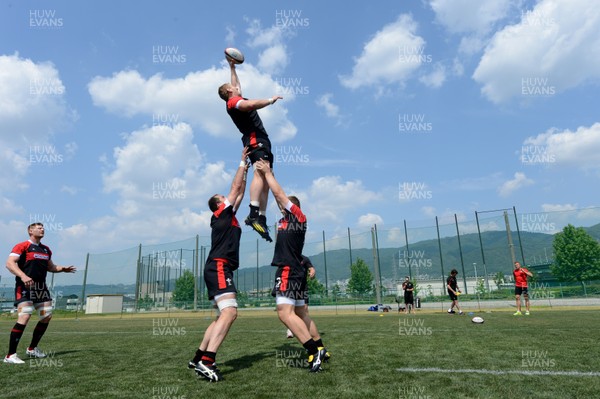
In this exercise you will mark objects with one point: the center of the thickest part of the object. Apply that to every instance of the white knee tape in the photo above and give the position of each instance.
(26, 310)
(44, 312)
(227, 303)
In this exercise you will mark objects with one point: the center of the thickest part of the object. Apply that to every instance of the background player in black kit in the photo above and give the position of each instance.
(222, 260)
(409, 300)
(30, 261)
(453, 291)
(243, 113)
(290, 277)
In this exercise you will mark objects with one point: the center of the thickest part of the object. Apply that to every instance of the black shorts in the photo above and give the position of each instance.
(521, 290)
(452, 295)
(262, 152)
(409, 299)
(290, 282)
(37, 293)
(218, 278)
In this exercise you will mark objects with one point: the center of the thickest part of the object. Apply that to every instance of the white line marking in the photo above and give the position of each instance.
(501, 372)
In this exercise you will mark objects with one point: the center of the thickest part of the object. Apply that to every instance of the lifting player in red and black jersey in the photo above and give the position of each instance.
(243, 113)
(222, 260)
(290, 277)
(30, 261)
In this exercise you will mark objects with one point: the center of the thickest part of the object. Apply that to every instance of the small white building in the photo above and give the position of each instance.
(104, 303)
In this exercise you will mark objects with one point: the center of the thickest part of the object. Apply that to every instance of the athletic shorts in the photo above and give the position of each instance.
(521, 290)
(218, 278)
(409, 299)
(290, 282)
(37, 293)
(261, 153)
(452, 295)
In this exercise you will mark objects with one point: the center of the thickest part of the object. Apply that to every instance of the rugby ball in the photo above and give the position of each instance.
(234, 54)
(477, 320)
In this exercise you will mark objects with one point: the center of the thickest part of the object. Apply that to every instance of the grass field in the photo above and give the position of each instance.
(427, 355)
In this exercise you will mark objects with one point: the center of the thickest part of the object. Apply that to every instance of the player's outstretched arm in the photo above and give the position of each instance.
(250, 105)
(52, 268)
(238, 186)
(263, 167)
(235, 81)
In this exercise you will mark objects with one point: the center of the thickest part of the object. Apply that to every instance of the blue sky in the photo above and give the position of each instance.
(112, 132)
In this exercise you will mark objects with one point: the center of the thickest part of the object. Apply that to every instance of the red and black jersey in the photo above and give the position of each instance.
(225, 236)
(249, 124)
(291, 231)
(33, 260)
(520, 277)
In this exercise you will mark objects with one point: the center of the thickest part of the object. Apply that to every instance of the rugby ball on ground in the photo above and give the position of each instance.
(477, 320)
(234, 54)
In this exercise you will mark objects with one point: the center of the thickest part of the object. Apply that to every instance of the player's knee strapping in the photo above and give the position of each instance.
(25, 310)
(44, 312)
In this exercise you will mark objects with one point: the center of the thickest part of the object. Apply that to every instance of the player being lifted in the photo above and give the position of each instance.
(243, 113)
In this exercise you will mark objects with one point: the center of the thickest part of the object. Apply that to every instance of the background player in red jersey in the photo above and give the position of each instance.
(243, 113)
(290, 277)
(30, 261)
(520, 274)
(222, 260)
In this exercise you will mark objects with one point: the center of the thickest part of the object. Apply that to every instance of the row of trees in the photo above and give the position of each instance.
(577, 259)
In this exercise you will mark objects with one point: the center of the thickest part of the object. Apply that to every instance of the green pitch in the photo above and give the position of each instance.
(550, 354)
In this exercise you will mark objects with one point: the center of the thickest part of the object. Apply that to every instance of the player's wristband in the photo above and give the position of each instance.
(242, 164)
(271, 100)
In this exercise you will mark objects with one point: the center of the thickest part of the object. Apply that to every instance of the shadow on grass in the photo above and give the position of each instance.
(245, 362)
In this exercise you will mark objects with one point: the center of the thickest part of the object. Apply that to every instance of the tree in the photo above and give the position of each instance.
(336, 290)
(361, 279)
(499, 279)
(315, 287)
(184, 287)
(576, 255)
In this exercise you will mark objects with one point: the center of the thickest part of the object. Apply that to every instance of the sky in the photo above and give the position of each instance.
(112, 133)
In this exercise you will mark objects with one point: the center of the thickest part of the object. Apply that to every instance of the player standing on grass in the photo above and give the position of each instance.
(222, 260)
(290, 278)
(520, 274)
(409, 300)
(453, 291)
(243, 113)
(30, 261)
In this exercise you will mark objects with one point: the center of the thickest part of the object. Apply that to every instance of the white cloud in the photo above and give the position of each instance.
(331, 198)
(391, 56)
(192, 99)
(436, 78)
(331, 110)
(369, 220)
(32, 111)
(558, 207)
(579, 148)
(466, 16)
(274, 58)
(510, 186)
(540, 53)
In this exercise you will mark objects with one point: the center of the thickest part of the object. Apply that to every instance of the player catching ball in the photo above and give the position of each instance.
(243, 113)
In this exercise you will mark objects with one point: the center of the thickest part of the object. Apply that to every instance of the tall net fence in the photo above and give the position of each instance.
(482, 248)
